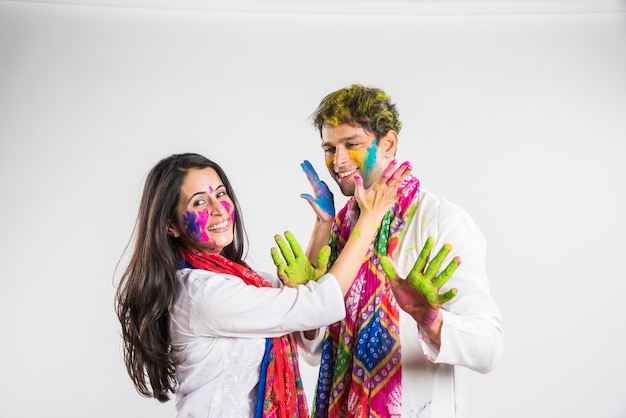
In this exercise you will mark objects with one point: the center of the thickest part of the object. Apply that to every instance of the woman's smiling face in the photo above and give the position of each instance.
(205, 213)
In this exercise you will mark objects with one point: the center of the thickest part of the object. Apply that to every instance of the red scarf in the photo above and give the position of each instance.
(281, 394)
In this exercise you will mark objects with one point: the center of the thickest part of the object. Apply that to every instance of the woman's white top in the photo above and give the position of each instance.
(220, 325)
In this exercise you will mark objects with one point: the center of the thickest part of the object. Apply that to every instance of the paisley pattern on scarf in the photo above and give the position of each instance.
(281, 394)
(360, 372)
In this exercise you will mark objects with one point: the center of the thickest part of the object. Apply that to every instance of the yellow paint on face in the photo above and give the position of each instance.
(364, 158)
(330, 162)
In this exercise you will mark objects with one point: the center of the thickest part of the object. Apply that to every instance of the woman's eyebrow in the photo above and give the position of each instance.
(196, 194)
(221, 186)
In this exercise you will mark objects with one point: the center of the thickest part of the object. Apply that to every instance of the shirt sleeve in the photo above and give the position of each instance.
(224, 306)
(471, 334)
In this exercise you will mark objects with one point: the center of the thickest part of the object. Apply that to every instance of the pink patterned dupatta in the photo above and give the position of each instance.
(361, 369)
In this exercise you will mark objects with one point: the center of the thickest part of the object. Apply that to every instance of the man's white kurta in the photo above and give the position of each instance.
(471, 336)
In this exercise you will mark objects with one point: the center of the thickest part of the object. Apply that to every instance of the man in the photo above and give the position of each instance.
(410, 327)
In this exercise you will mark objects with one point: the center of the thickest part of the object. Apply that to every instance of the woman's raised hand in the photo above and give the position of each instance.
(380, 196)
(293, 266)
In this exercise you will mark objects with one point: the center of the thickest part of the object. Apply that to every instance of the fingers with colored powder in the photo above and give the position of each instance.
(383, 192)
(418, 294)
(293, 266)
(393, 176)
(322, 201)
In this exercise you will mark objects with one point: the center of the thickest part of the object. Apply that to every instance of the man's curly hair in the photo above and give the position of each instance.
(357, 105)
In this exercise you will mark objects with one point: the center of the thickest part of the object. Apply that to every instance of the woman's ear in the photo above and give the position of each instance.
(171, 230)
(389, 144)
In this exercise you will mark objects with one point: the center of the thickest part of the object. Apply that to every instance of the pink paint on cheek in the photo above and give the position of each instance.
(230, 209)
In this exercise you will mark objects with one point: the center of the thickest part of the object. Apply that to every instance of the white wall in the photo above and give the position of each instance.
(519, 118)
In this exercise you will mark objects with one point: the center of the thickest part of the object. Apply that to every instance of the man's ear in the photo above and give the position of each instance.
(389, 144)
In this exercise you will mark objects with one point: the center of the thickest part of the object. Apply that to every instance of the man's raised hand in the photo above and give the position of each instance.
(418, 294)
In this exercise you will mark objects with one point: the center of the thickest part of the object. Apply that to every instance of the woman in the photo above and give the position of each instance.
(199, 323)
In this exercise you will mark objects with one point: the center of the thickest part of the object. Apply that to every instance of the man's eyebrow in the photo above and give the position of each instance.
(343, 139)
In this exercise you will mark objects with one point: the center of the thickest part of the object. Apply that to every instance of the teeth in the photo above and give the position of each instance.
(218, 226)
(345, 173)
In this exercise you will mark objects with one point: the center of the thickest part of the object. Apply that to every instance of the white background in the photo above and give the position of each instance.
(514, 110)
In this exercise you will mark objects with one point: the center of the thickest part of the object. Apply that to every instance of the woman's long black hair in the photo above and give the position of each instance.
(147, 287)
